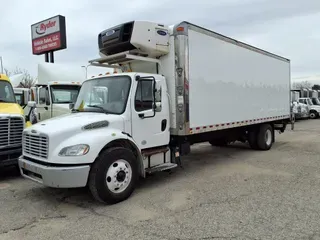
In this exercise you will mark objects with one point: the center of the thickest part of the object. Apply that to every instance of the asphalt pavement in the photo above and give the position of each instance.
(221, 193)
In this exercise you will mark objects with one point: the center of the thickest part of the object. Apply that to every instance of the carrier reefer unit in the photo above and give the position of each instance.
(172, 87)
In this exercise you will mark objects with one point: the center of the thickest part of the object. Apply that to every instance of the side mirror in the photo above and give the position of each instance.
(47, 98)
(31, 104)
(25, 97)
(47, 101)
(71, 106)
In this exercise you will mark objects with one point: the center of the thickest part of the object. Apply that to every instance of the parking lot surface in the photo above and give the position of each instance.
(222, 193)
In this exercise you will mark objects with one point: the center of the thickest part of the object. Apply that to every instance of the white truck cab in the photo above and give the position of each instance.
(58, 86)
(314, 110)
(158, 102)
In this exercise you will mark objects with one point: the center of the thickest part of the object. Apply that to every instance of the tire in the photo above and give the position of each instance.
(252, 139)
(313, 115)
(265, 137)
(218, 142)
(113, 175)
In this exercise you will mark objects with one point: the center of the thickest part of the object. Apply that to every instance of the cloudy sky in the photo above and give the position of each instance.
(288, 27)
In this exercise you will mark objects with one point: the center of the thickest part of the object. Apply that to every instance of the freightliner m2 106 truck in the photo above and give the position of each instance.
(166, 98)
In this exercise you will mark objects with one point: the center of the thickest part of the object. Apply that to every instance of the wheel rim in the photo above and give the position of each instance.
(268, 137)
(312, 115)
(119, 176)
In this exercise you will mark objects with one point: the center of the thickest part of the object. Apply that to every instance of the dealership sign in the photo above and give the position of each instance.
(49, 35)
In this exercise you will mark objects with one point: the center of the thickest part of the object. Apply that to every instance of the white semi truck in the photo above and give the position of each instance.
(167, 98)
(58, 85)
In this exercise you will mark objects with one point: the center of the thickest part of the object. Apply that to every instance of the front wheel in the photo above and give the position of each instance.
(114, 175)
(313, 115)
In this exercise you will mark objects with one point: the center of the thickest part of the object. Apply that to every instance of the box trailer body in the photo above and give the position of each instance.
(228, 83)
(172, 87)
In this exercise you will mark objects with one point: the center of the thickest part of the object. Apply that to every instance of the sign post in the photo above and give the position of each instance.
(49, 36)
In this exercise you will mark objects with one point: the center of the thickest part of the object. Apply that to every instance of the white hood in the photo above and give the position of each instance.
(72, 123)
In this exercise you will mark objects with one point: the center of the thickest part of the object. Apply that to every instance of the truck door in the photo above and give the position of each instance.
(43, 106)
(150, 126)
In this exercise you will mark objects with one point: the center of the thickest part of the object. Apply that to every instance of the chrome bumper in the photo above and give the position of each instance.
(56, 177)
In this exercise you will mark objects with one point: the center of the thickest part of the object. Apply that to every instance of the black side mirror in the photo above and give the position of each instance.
(71, 106)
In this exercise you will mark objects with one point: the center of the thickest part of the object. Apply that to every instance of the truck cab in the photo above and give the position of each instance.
(314, 110)
(12, 123)
(57, 87)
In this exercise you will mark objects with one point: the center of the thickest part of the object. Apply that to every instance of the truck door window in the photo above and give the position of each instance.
(19, 98)
(144, 96)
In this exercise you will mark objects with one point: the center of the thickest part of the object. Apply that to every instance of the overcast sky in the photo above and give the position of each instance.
(289, 28)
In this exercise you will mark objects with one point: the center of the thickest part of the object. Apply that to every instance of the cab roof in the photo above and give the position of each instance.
(4, 77)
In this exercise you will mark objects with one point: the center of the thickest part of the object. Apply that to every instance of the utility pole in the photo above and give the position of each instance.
(86, 70)
(1, 63)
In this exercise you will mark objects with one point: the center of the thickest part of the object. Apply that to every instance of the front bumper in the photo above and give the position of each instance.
(55, 176)
(9, 156)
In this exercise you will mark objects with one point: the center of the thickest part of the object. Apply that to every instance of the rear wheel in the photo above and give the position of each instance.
(261, 138)
(265, 137)
(114, 175)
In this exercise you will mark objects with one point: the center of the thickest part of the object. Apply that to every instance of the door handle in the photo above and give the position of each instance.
(141, 115)
(163, 124)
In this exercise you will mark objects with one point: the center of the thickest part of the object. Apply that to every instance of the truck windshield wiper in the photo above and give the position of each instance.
(62, 102)
(99, 107)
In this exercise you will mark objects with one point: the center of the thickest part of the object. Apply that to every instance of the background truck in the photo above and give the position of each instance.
(167, 98)
(12, 122)
(58, 85)
(300, 110)
(314, 110)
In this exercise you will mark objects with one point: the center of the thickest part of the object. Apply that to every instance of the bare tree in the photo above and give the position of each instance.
(27, 82)
(302, 84)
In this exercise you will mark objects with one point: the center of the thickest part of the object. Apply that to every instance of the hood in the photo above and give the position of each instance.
(315, 106)
(73, 122)
(64, 106)
(10, 108)
(61, 109)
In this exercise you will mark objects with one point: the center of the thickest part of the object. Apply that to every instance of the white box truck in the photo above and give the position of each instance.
(57, 86)
(179, 85)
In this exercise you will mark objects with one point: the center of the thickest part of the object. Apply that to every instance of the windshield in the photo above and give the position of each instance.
(108, 94)
(64, 93)
(6, 92)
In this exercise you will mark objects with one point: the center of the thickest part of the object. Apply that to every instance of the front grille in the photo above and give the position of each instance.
(35, 145)
(11, 129)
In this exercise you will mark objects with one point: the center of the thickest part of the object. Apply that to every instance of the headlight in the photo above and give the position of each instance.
(75, 150)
